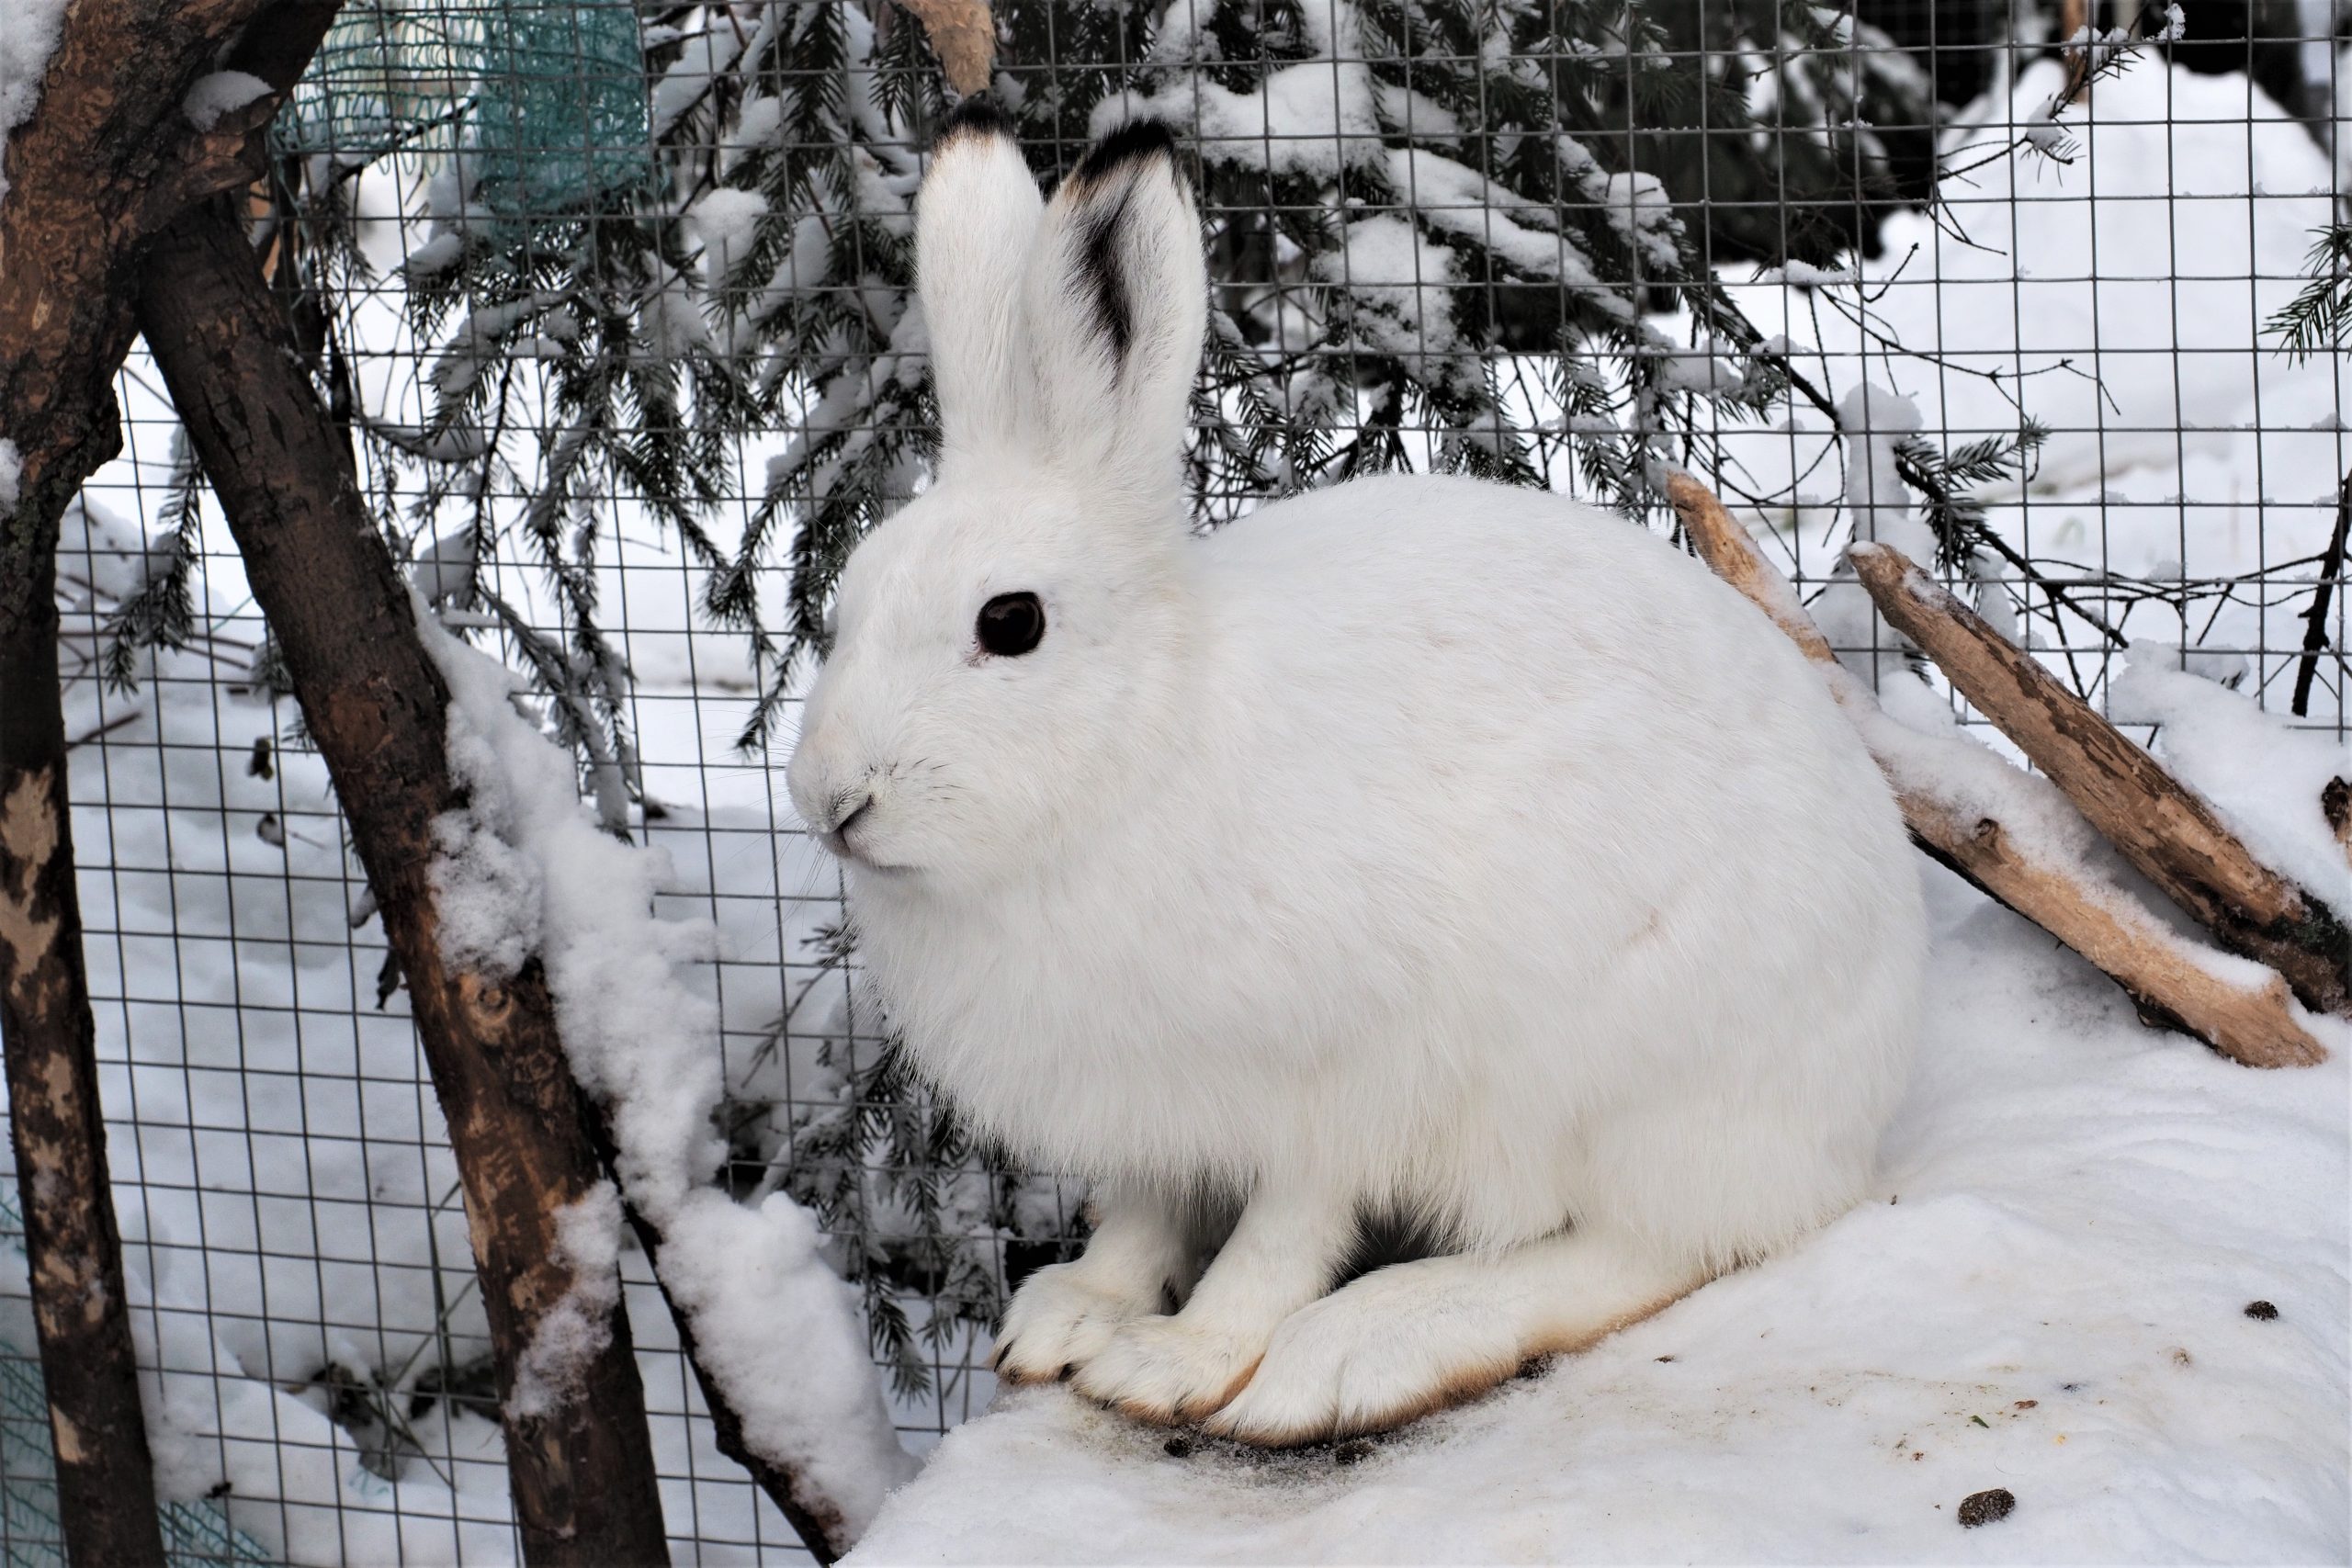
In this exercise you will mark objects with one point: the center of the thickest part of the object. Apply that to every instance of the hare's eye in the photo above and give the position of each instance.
(1010, 624)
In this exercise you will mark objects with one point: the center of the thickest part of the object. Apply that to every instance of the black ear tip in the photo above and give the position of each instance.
(978, 115)
(1133, 142)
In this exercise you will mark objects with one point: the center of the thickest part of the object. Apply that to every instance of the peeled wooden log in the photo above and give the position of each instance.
(963, 34)
(2162, 826)
(2014, 836)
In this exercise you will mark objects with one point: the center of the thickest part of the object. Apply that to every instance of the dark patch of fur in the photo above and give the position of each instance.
(978, 115)
(1387, 1234)
(1131, 143)
(1100, 279)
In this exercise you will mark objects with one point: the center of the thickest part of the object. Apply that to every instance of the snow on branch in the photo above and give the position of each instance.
(2269, 780)
(774, 1329)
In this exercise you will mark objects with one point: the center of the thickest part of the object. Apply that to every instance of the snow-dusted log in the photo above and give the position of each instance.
(579, 1456)
(2015, 838)
(99, 156)
(2161, 826)
(1725, 545)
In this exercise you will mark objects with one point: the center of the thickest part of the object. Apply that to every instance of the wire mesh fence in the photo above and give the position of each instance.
(614, 300)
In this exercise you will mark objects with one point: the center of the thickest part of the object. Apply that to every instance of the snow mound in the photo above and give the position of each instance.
(2266, 779)
(2049, 1294)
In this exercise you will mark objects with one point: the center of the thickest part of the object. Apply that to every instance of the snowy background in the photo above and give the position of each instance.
(2050, 1296)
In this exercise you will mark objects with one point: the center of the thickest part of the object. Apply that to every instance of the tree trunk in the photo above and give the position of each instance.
(2161, 826)
(2173, 981)
(106, 157)
(377, 709)
(106, 1487)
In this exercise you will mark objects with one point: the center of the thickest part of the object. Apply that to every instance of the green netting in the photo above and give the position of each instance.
(29, 1534)
(385, 77)
(560, 117)
(544, 99)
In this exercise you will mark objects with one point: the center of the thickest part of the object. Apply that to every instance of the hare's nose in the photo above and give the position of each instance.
(834, 836)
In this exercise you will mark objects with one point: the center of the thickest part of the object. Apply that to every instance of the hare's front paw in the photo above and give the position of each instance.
(1059, 1320)
(1169, 1371)
(1372, 1357)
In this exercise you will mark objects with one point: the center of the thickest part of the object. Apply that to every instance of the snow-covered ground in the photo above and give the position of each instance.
(2049, 1294)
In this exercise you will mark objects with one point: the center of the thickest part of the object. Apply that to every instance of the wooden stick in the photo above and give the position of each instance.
(105, 1484)
(2014, 855)
(2161, 826)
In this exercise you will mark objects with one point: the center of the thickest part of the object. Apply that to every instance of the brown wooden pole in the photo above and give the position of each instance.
(378, 710)
(105, 1486)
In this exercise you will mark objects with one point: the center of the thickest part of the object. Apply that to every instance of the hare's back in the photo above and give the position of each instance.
(1488, 601)
(1540, 696)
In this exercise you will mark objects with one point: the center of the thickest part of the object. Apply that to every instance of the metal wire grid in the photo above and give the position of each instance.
(250, 1073)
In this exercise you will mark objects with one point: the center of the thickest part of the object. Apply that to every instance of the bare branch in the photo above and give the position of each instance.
(2331, 571)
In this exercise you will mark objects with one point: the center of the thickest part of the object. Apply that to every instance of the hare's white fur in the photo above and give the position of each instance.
(1415, 852)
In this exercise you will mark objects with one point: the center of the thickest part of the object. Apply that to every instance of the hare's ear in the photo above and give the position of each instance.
(1116, 304)
(975, 218)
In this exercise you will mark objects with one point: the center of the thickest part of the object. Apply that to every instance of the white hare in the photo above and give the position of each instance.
(1416, 867)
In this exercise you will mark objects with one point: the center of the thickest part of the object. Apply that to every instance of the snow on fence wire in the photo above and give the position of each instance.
(613, 303)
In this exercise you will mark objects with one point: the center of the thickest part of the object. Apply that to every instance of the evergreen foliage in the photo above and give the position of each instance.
(2318, 318)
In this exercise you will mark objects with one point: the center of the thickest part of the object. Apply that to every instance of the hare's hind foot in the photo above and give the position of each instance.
(1414, 1337)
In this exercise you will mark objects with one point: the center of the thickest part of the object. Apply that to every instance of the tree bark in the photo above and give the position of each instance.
(323, 577)
(106, 157)
(2172, 980)
(962, 35)
(377, 709)
(2162, 827)
(105, 1485)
